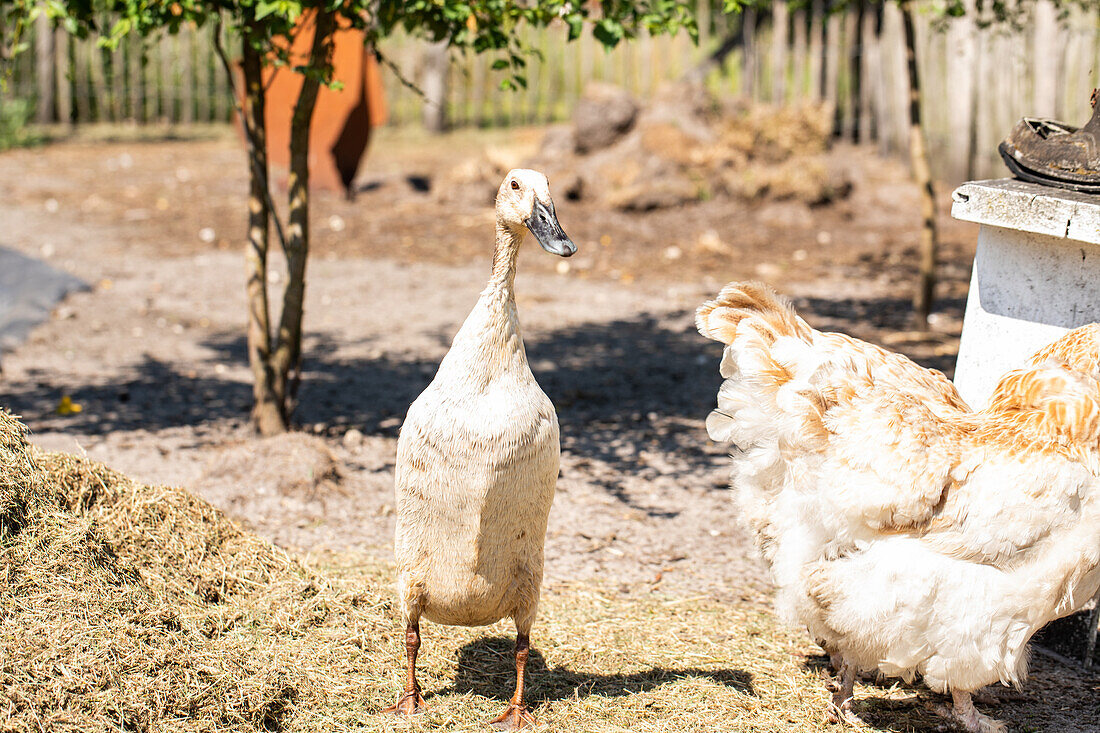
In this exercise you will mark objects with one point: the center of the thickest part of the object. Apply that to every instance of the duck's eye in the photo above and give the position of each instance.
(515, 185)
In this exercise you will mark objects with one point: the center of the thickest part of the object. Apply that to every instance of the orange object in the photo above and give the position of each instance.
(342, 120)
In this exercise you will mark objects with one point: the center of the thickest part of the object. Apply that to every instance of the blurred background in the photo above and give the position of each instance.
(979, 76)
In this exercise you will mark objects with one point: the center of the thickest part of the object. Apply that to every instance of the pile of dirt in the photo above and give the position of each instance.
(134, 607)
(267, 480)
(686, 145)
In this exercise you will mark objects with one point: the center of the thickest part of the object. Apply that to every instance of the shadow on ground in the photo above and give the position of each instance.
(486, 667)
(610, 381)
(1028, 709)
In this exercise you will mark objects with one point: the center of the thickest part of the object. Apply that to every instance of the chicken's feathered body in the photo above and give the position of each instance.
(908, 533)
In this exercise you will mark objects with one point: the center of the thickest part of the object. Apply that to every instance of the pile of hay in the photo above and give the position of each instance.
(130, 607)
(136, 608)
(686, 145)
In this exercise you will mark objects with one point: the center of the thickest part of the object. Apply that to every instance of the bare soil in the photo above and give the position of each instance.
(154, 352)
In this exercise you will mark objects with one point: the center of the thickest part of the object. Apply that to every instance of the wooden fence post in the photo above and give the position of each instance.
(798, 54)
(780, 25)
(100, 104)
(853, 25)
(868, 44)
(1044, 72)
(832, 67)
(817, 44)
(187, 76)
(751, 63)
(44, 69)
(963, 66)
(435, 67)
(203, 56)
(63, 74)
(133, 80)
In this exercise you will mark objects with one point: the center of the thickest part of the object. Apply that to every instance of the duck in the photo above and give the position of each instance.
(477, 464)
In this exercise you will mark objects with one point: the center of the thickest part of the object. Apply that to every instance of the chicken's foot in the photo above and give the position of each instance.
(985, 696)
(839, 709)
(964, 713)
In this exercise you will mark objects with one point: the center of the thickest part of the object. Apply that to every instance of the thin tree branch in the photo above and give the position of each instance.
(399, 74)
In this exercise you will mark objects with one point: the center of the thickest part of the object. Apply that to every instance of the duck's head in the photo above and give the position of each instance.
(524, 201)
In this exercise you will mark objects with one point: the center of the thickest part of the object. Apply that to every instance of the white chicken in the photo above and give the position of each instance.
(908, 533)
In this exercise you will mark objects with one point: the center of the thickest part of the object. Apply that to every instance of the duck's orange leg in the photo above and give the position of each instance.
(516, 715)
(410, 701)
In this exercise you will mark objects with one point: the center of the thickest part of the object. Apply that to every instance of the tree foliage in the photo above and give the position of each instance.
(476, 26)
(265, 31)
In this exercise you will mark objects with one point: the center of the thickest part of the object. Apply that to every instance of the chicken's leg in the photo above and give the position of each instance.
(836, 661)
(964, 711)
(410, 701)
(516, 716)
(840, 708)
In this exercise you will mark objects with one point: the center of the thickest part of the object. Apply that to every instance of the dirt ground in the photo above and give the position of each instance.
(154, 354)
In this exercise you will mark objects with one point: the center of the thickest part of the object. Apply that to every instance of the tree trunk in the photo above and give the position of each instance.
(922, 173)
(286, 361)
(267, 412)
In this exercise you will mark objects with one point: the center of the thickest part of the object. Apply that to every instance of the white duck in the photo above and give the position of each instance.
(477, 463)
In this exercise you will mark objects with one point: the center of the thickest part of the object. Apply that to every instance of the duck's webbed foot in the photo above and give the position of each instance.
(514, 717)
(839, 709)
(410, 703)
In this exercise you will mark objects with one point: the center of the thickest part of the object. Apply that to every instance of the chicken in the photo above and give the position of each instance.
(906, 532)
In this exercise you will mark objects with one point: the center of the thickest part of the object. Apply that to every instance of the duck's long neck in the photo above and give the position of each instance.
(503, 277)
(489, 341)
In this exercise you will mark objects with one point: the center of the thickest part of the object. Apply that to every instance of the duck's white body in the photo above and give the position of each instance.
(477, 462)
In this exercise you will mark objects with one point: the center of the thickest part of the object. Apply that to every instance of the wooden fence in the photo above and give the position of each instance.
(978, 80)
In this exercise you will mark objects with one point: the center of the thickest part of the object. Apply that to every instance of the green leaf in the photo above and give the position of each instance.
(608, 32)
(576, 26)
(264, 9)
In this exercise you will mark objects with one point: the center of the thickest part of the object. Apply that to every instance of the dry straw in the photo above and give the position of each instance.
(137, 608)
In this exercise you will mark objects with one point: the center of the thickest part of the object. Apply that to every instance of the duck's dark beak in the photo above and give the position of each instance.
(543, 223)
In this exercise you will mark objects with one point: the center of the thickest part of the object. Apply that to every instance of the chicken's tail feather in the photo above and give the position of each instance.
(751, 305)
(768, 363)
